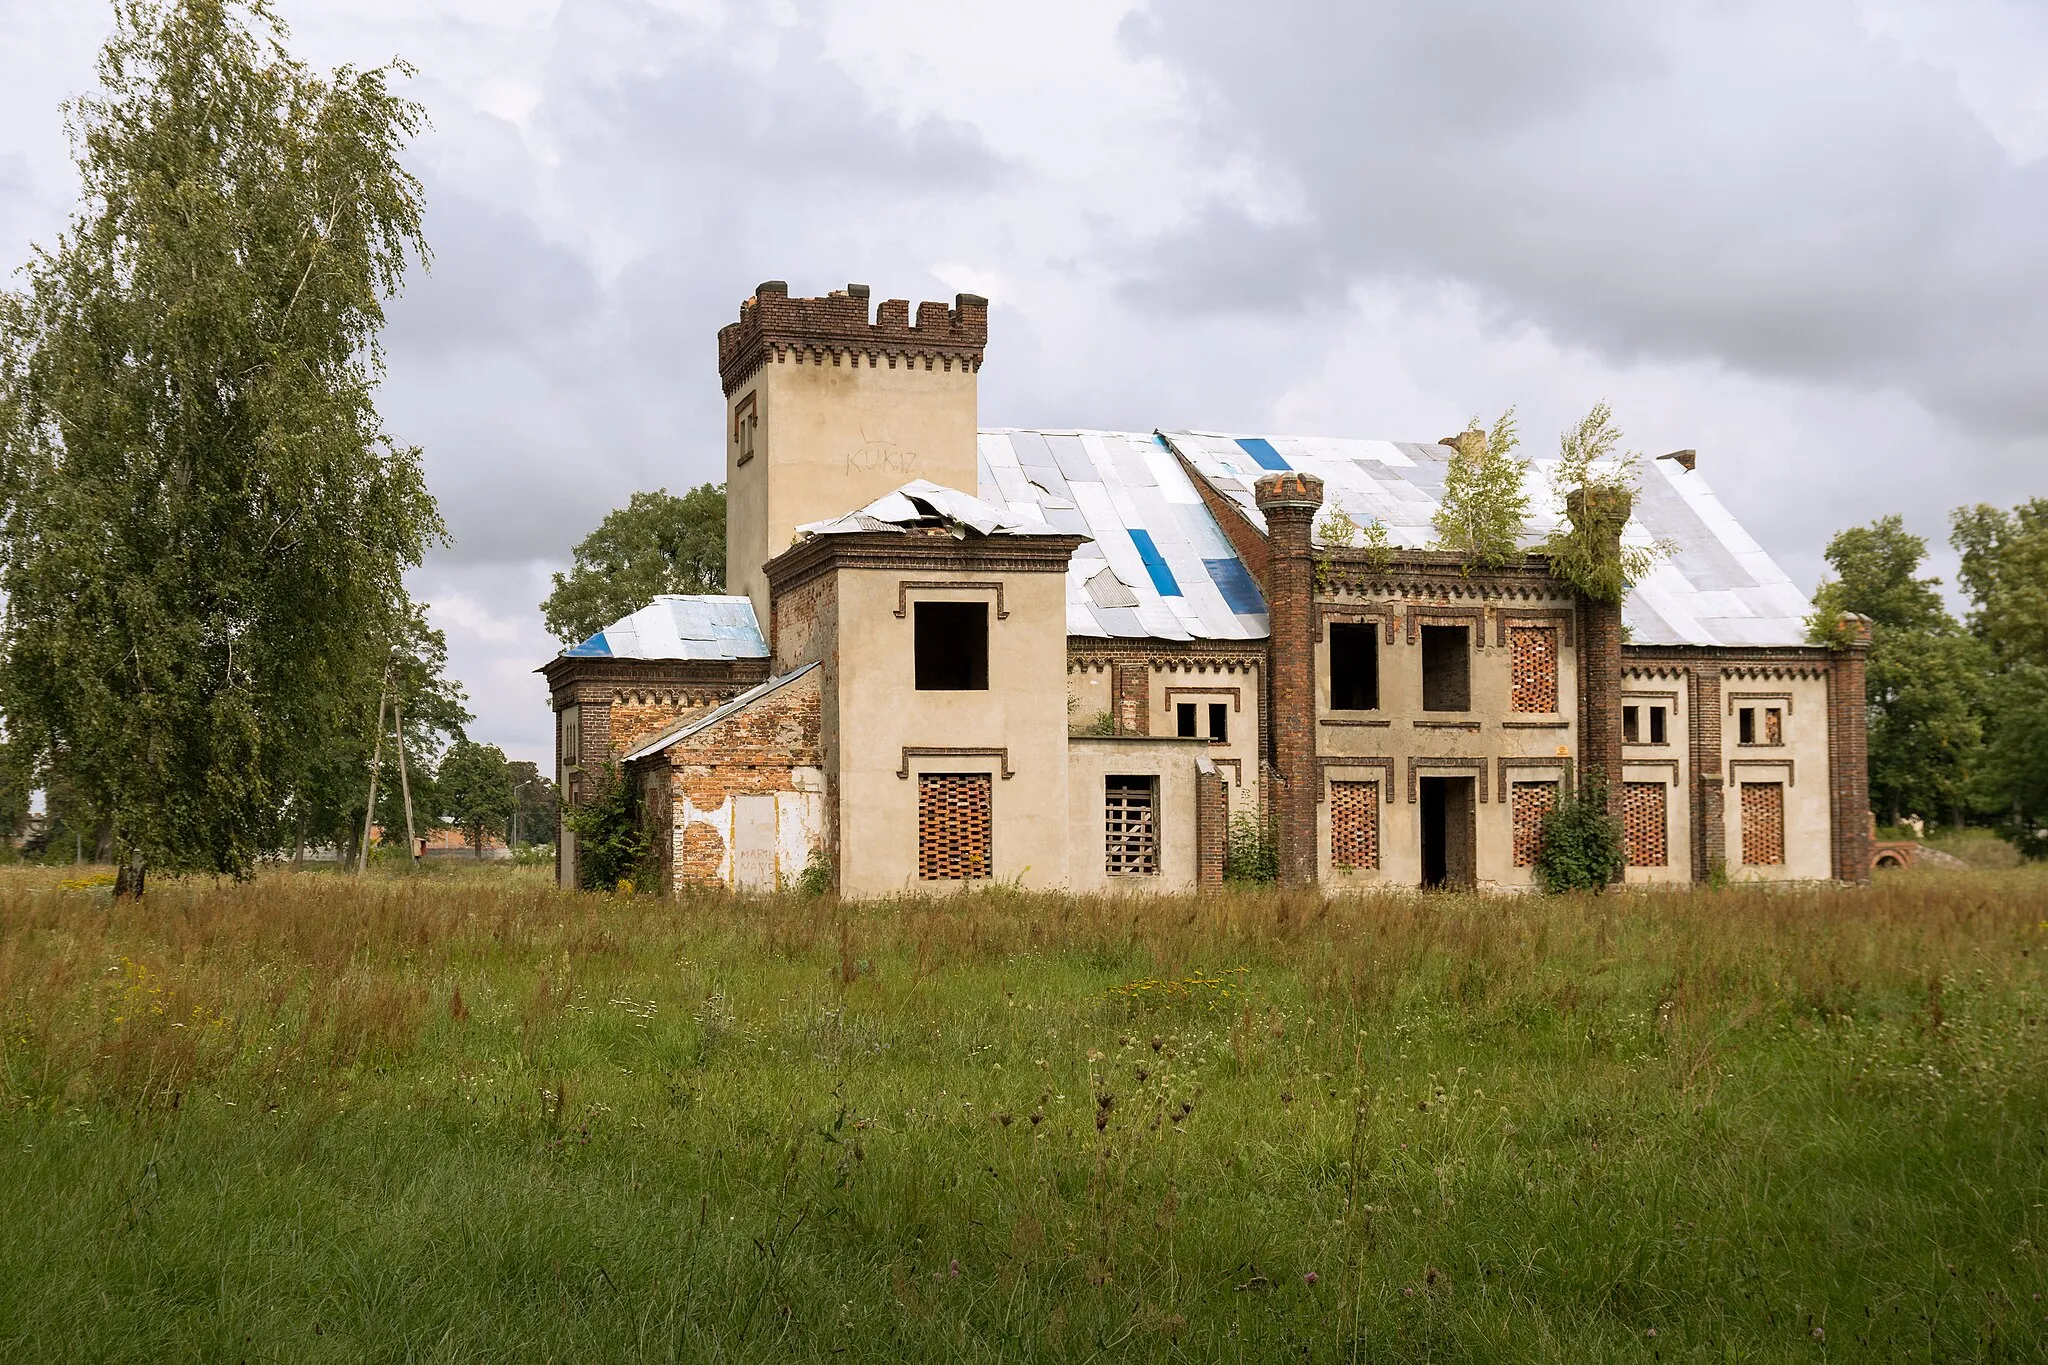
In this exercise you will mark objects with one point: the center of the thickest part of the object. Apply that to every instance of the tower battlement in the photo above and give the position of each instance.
(773, 327)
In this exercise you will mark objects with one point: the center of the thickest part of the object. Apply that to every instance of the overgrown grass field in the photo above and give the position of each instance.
(470, 1118)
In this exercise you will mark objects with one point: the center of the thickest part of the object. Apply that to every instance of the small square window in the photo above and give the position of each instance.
(1219, 722)
(1631, 725)
(1184, 720)
(1657, 731)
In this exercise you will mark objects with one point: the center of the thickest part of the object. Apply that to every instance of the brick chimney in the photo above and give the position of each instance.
(1849, 749)
(1289, 502)
(1602, 516)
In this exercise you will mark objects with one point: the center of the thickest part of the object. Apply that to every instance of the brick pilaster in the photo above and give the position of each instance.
(1707, 797)
(1599, 647)
(1131, 693)
(1212, 825)
(1289, 502)
(1849, 751)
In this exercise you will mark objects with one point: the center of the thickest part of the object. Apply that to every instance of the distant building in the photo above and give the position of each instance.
(1065, 659)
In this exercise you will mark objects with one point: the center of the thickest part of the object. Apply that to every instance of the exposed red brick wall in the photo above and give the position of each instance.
(1763, 824)
(1707, 804)
(1643, 824)
(755, 751)
(1212, 827)
(1600, 693)
(1849, 752)
(1531, 802)
(1290, 501)
(1355, 826)
(1131, 694)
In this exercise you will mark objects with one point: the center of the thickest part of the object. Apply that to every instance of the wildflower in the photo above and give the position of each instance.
(1651, 1332)
(953, 1272)
(1309, 1279)
(1820, 1334)
(1407, 1291)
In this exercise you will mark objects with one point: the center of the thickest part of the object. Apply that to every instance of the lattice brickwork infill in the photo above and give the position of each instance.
(1533, 650)
(1643, 824)
(952, 826)
(1763, 823)
(1355, 826)
(1532, 801)
(1130, 827)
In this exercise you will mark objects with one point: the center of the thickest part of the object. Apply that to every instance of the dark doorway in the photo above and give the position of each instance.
(1449, 820)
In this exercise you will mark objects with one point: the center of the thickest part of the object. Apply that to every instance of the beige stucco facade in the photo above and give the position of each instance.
(810, 437)
(1172, 763)
(1799, 762)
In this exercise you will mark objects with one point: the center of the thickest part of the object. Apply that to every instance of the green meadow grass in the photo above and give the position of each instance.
(464, 1117)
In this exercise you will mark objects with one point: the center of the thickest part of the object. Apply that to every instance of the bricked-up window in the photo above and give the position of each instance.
(1533, 650)
(1219, 722)
(1643, 824)
(1447, 668)
(1532, 801)
(1763, 823)
(953, 827)
(1774, 726)
(1184, 720)
(1354, 826)
(1354, 666)
(952, 646)
(1130, 826)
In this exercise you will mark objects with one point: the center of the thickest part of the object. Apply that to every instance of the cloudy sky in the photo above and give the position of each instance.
(1808, 239)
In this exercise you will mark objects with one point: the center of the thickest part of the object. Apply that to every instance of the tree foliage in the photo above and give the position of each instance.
(1484, 506)
(610, 845)
(206, 526)
(475, 784)
(657, 543)
(1581, 843)
(1924, 682)
(1597, 481)
(2005, 573)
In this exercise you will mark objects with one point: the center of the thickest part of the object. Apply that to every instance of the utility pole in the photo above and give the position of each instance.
(412, 841)
(376, 761)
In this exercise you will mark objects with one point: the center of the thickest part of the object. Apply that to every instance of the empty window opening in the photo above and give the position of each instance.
(1532, 802)
(1745, 725)
(1763, 823)
(1657, 731)
(1774, 726)
(1643, 824)
(1448, 833)
(1446, 668)
(1130, 826)
(1184, 718)
(1219, 722)
(1354, 826)
(1532, 652)
(952, 646)
(1354, 667)
(1631, 725)
(953, 827)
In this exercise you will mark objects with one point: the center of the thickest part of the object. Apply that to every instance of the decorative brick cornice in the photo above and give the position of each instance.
(1095, 654)
(924, 554)
(568, 674)
(773, 327)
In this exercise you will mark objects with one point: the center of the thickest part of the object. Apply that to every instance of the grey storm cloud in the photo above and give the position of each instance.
(543, 386)
(1766, 186)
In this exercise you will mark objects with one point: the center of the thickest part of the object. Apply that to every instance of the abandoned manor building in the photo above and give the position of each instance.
(1067, 659)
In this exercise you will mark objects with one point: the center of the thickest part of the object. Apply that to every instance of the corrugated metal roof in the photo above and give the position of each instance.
(1717, 587)
(675, 626)
(922, 502)
(684, 729)
(1156, 566)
